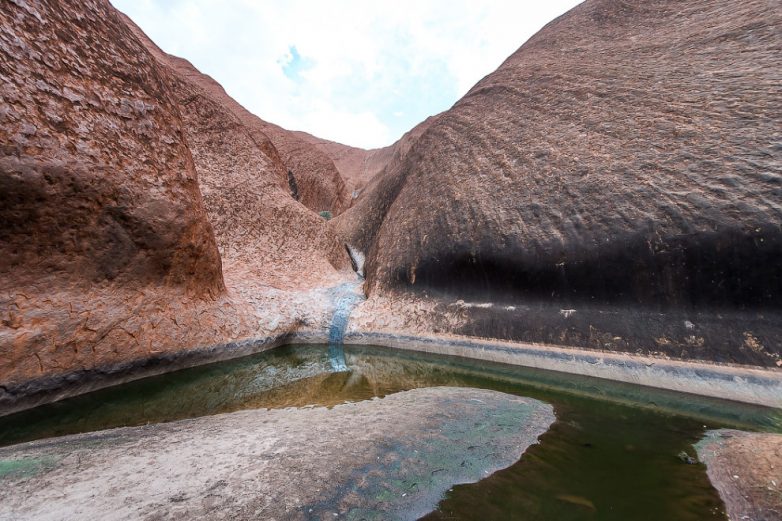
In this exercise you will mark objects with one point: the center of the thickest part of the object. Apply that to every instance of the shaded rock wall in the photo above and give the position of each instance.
(356, 165)
(360, 224)
(626, 156)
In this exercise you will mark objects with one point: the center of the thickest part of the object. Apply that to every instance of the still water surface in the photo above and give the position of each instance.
(611, 455)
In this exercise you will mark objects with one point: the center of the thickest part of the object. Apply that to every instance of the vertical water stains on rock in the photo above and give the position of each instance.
(294, 188)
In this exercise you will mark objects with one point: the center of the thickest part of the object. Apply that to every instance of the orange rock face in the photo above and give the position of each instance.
(102, 217)
(615, 184)
(111, 256)
(97, 181)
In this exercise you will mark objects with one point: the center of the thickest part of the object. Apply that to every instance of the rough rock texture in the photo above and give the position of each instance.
(615, 185)
(746, 469)
(97, 181)
(320, 185)
(364, 169)
(391, 458)
(360, 224)
(356, 165)
(101, 218)
(263, 233)
(624, 162)
(272, 153)
(108, 254)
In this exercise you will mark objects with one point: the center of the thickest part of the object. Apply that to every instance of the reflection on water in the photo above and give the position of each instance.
(339, 321)
(611, 454)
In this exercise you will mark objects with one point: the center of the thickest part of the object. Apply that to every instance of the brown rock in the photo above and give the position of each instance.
(746, 469)
(109, 261)
(383, 181)
(263, 233)
(320, 185)
(356, 165)
(621, 159)
(96, 181)
(102, 218)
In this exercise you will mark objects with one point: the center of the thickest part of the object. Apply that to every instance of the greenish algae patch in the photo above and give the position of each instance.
(459, 450)
(25, 467)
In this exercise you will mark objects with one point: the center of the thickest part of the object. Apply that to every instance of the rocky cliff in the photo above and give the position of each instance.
(246, 168)
(99, 199)
(616, 183)
(97, 181)
(143, 212)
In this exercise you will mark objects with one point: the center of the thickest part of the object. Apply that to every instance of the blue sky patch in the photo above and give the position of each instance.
(293, 64)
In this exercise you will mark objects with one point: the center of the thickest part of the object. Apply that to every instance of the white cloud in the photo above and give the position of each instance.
(366, 72)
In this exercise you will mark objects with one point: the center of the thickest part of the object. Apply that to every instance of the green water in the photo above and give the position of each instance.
(611, 455)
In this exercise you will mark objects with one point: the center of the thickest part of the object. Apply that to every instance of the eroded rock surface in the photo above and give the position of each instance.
(614, 185)
(97, 181)
(746, 469)
(100, 208)
(391, 458)
(265, 235)
(621, 163)
(111, 257)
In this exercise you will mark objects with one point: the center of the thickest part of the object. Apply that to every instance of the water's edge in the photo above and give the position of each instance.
(729, 382)
(758, 386)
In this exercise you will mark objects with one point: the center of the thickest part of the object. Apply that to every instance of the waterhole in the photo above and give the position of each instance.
(613, 453)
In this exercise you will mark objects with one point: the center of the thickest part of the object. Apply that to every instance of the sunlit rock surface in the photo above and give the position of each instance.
(746, 469)
(143, 212)
(390, 458)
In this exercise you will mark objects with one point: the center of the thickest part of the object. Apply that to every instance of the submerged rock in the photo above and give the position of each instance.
(686, 458)
(391, 458)
(746, 469)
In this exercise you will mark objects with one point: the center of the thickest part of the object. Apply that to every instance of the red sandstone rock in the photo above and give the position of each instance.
(263, 233)
(108, 258)
(356, 165)
(615, 184)
(102, 218)
(97, 181)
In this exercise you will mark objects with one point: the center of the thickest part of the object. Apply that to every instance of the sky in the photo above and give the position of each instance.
(360, 73)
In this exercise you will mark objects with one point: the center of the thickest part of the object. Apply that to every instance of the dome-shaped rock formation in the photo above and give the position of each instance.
(626, 156)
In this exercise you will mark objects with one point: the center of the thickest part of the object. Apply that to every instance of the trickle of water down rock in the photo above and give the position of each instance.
(346, 299)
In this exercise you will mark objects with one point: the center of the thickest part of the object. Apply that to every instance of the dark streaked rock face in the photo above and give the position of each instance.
(627, 155)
